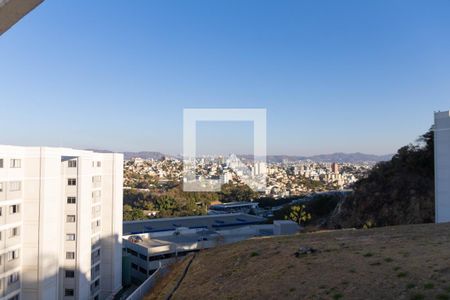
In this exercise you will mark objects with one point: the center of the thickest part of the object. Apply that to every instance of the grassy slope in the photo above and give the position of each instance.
(166, 284)
(400, 262)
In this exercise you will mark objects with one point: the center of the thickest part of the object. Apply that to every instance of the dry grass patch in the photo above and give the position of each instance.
(379, 263)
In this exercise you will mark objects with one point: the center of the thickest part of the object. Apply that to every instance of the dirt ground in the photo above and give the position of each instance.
(165, 285)
(400, 262)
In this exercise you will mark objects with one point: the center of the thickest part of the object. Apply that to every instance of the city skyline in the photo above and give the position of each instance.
(333, 77)
(269, 135)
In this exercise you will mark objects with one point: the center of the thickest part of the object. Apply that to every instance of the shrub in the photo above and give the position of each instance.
(417, 297)
(337, 296)
(428, 286)
(410, 286)
(253, 254)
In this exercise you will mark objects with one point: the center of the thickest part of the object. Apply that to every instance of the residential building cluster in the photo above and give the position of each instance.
(300, 177)
(289, 178)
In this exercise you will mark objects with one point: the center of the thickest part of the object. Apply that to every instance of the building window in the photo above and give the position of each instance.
(97, 253)
(68, 292)
(14, 277)
(142, 270)
(1, 187)
(70, 219)
(72, 163)
(15, 186)
(70, 273)
(95, 239)
(134, 266)
(71, 181)
(96, 179)
(95, 225)
(132, 252)
(12, 255)
(70, 237)
(15, 163)
(1, 163)
(97, 282)
(70, 255)
(0, 211)
(71, 200)
(14, 209)
(14, 232)
(96, 211)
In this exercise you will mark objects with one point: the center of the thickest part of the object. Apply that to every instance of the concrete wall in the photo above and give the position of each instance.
(112, 206)
(442, 166)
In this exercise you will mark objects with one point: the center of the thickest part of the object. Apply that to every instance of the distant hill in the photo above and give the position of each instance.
(350, 157)
(334, 157)
(144, 155)
(141, 154)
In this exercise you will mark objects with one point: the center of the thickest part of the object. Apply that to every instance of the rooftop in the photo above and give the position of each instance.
(213, 222)
(442, 114)
(177, 239)
(235, 204)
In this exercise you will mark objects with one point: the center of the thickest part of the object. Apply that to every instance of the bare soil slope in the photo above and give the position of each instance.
(399, 262)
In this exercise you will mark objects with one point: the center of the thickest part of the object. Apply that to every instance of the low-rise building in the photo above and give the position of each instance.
(233, 207)
(150, 244)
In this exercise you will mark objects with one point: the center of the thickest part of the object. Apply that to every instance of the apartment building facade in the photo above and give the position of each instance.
(442, 165)
(60, 223)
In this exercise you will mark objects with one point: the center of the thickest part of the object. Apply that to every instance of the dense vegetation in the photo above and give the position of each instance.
(269, 202)
(320, 207)
(236, 192)
(399, 191)
(172, 201)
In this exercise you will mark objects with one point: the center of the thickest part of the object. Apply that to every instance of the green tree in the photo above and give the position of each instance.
(132, 213)
(236, 192)
(395, 192)
(298, 214)
(165, 203)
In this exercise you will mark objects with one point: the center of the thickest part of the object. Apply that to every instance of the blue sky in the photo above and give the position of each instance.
(333, 75)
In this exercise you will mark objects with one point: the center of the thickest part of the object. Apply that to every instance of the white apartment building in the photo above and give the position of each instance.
(60, 223)
(442, 165)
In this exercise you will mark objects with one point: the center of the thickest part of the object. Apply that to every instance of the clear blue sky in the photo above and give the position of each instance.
(334, 75)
